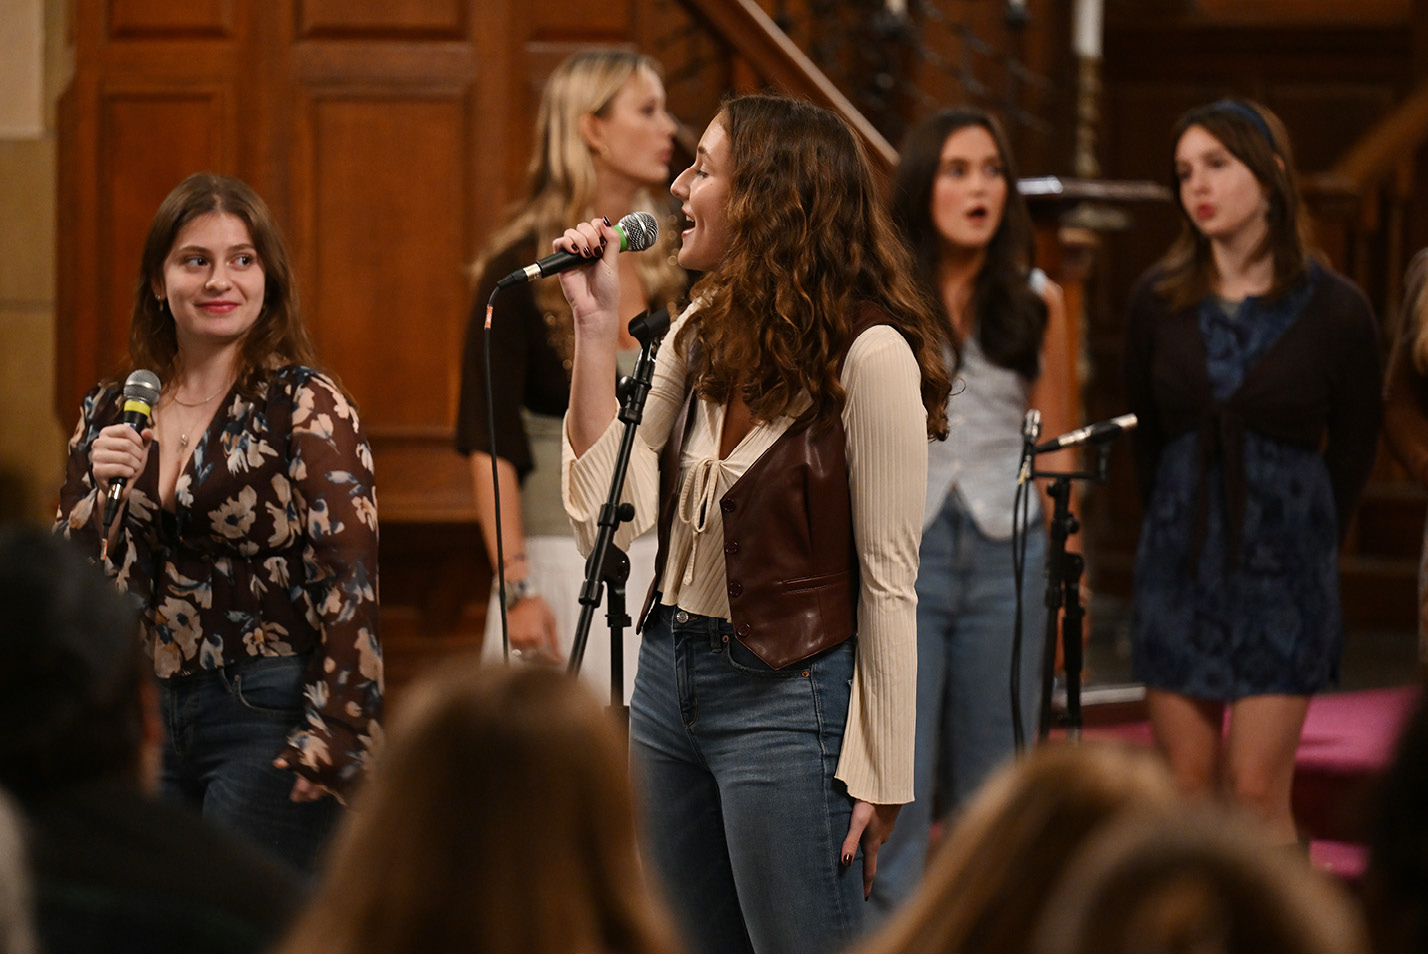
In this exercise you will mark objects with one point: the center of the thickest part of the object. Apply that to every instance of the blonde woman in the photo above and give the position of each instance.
(603, 146)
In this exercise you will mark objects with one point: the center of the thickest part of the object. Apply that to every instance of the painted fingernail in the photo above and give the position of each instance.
(606, 218)
(848, 859)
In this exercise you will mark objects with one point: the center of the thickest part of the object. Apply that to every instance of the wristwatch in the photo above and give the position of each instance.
(517, 590)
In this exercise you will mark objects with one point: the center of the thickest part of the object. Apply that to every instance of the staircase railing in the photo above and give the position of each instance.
(744, 26)
(1362, 202)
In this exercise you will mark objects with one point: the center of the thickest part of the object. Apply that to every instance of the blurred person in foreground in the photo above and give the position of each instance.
(115, 868)
(500, 820)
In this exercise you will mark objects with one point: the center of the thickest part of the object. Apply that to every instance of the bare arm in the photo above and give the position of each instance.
(530, 624)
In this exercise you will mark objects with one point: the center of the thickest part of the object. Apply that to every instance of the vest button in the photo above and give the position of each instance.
(726, 505)
(732, 546)
(735, 589)
(745, 629)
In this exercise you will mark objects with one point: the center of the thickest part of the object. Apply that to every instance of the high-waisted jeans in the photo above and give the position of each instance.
(744, 819)
(224, 727)
(966, 608)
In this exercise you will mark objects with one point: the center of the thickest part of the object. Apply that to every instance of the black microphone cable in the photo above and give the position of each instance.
(1021, 515)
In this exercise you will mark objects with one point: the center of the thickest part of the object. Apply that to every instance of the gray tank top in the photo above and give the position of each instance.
(980, 457)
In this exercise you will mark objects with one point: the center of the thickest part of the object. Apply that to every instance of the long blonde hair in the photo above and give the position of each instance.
(499, 820)
(1415, 311)
(560, 179)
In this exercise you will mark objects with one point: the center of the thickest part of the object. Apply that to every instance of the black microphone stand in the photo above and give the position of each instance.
(607, 563)
(1063, 589)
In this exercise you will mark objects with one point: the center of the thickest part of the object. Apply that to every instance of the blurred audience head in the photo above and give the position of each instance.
(500, 819)
(1396, 883)
(1200, 881)
(73, 684)
(17, 928)
(1002, 855)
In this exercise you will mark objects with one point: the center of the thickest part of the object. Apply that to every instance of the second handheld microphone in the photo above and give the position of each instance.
(638, 231)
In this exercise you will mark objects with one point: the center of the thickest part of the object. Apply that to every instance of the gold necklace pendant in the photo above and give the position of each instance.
(183, 440)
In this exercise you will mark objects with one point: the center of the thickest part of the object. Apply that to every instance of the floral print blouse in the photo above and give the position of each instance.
(271, 551)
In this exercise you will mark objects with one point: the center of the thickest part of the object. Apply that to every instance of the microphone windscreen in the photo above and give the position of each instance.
(142, 385)
(640, 229)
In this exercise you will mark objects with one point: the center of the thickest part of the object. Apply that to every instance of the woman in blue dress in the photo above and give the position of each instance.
(1255, 373)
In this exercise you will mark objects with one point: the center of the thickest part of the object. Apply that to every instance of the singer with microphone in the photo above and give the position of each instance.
(1254, 372)
(782, 456)
(1007, 345)
(603, 143)
(241, 515)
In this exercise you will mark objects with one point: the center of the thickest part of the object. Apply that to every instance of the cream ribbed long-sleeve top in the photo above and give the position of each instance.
(886, 428)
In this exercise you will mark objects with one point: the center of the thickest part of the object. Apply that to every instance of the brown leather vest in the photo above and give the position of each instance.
(791, 565)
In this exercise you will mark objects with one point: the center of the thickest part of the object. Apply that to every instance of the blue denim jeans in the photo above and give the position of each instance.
(224, 728)
(743, 818)
(966, 605)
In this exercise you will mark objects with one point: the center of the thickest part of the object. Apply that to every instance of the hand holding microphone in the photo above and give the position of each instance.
(141, 393)
(637, 232)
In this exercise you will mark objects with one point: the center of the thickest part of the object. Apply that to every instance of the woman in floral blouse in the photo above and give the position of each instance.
(247, 529)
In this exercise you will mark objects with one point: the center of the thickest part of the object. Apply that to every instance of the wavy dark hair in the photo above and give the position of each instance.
(278, 335)
(1010, 316)
(1187, 270)
(814, 239)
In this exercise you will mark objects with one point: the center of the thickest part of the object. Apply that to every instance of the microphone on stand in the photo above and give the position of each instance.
(141, 393)
(1096, 433)
(1030, 431)
(638, 231)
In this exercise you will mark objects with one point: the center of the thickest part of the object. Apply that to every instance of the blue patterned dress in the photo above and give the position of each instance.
(1236, 575)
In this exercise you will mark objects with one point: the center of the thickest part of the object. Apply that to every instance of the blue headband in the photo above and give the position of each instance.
(1245, 111)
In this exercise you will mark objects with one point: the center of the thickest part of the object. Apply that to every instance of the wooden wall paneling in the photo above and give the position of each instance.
(131, 19)
(153, 138)
(1279, 13)
(154, 97)
(380, 180)
(603, 23)
(409, 19)
(394, 157)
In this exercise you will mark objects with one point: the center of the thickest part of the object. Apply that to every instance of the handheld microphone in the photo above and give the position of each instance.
(141, 393)
(1090, 434)
(638, 231)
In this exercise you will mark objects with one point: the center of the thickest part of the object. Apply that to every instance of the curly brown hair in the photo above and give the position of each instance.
(814, 239)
